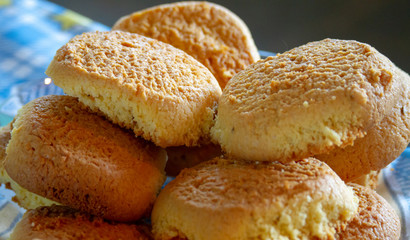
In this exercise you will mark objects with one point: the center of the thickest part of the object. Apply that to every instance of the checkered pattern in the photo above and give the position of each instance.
(397, 179)
(30, 34)
(29, 37)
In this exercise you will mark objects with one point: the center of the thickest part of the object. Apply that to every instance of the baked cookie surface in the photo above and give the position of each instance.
(158, 91)
(306, 101)
(62, 151)
(375, 219)
(60, 222)
(210, 33)
(23, 198)
(382, 144)
(228, 199)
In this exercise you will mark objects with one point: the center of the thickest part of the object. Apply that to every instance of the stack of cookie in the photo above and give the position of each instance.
(90, 155)
(210, 33)
(101, 151)
(334, 100)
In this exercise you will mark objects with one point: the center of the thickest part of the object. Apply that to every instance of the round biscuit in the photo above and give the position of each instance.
(228, 199)
(60, 222)
(158, 91)
(62, 151)
(306, 101)
(210, 33)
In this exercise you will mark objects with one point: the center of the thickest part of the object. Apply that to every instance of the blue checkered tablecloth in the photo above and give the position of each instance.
(30, 33)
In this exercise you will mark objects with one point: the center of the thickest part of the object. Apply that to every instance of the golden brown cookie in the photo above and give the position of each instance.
(158, 91)
(59, 222)
(375, 219)
(306, 101)
(60, 150)
(186, 157)
(228, 199)
(23, 198)
(382, 144)
(210, 33)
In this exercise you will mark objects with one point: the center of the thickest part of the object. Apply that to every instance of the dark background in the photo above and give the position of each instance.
(280, 25)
